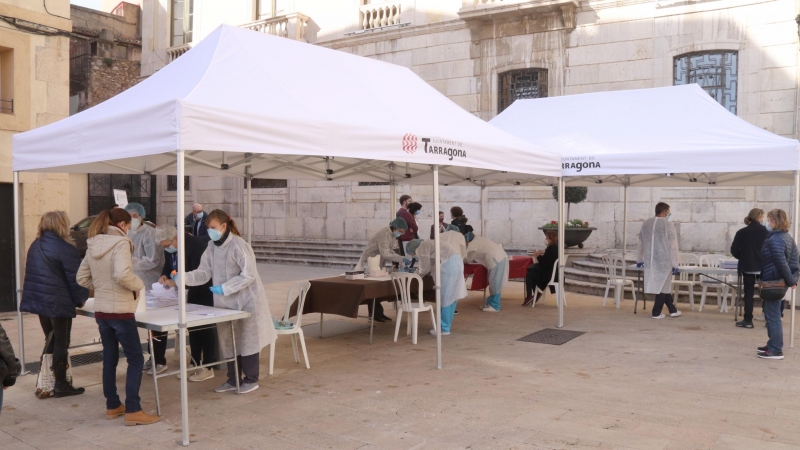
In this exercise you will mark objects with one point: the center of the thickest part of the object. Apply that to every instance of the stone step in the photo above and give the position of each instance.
(310, 253)
(329, 263)
(309, 244)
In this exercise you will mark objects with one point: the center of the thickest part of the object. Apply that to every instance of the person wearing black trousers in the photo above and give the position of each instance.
(540, 273)
(202, 340)
(746, 247)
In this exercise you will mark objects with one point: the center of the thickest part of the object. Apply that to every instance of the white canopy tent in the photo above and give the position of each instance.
(669, 136)
(245, 104)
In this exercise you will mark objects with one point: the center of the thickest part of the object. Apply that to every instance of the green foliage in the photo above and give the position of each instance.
(574, 223)
(573, 194)
(110, 62)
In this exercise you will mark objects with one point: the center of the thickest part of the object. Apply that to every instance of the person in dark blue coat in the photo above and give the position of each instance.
(746, 247)
(781, 262)
(50, 290)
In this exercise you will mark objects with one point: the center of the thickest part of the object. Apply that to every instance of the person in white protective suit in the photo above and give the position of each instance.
(148, 256)
(230, 263)
(453, 287)
(658, 254)
(456, 240)
(383, 243)
(492, 256)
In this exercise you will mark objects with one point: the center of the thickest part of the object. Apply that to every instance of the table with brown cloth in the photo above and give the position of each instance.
(342, 297)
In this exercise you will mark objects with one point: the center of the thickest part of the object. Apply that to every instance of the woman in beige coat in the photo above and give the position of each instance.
(108, 270)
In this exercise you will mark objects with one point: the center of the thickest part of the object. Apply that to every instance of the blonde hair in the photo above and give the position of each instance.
(58, 223)
(109, 217)
(779, 219)
(753, 216)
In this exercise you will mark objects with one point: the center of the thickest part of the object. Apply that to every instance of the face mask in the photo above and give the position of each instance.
(769, 228)
(200, 215)
(215, 235)
(135, 223)
(668, 214)
(416, 213)
(171, 249)
(396, 234)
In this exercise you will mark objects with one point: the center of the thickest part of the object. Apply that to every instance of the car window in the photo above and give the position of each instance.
(85, 222)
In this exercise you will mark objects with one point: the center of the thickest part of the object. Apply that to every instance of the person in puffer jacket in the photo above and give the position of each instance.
(9, 364)
(108, 269)
(51, 291)
(781, 262)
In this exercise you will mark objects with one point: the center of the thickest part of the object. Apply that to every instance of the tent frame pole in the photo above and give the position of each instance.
(249, 179)
(561, 253)
(392, 197)
(624, 237)
(182, 304)
(484, 195)
(438, 265)
(18, 273)
(794, 233)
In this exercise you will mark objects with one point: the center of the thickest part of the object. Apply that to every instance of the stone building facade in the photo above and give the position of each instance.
(34, 86)
(482, 54)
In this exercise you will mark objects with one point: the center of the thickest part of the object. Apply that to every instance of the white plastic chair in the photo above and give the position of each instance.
(297, 291)
(713, 261)
(685, 279)
(611, 263)
(553, 282)
(403, 282)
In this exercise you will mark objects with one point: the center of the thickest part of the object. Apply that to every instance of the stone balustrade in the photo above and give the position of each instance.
(175, 52)
(292, 26)
(379, 15)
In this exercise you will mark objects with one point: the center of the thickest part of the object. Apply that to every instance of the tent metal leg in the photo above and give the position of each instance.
(484, 195)
(182, 305)
(18, 243)
(561, 253)
(794, 232)
(624, 240)
(249, 179)
(392, 198)
(438, 269)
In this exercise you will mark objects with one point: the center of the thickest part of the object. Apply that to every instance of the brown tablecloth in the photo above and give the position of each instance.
(342, 297)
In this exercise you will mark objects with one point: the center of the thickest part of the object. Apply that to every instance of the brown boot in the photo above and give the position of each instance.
(140, 418)
(116, 412)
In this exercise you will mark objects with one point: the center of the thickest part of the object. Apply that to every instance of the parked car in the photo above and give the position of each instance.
(80, 232)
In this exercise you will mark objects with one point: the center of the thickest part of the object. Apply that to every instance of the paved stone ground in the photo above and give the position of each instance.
(630, 382)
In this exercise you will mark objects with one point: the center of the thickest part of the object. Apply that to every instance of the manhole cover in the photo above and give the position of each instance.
(551, 336)
(84, 359)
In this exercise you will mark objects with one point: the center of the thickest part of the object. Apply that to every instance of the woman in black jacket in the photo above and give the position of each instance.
(9, 364)
(540, 273)
(781, 262)
(746, 247)
(459, 220)
(50, 290)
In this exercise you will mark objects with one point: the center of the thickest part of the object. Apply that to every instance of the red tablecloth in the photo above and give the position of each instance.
(518, 266)
(480, 276)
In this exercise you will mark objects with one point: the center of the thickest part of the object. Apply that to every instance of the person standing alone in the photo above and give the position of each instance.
(658, 254)
(746, 247)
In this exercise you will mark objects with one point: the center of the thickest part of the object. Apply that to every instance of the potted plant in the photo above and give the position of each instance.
(576, 231)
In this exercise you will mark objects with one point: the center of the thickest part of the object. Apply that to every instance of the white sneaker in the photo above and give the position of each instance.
(189, 370)
(675, 314)
(490, 309)
(444, 333)
(202, 375)
(759, 317)
(660, 316)
(160, 368)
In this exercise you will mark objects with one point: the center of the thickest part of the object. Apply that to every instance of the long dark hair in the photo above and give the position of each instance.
(223, 217)
(108, 217)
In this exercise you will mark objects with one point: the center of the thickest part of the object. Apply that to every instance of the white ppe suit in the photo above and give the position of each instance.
(456, 240)
(658, 250)
(452, 285)
(383, 243)
(494, 258)
(148, 255)
(232, 265)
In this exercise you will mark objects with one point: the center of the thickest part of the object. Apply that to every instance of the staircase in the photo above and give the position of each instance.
(316, 253)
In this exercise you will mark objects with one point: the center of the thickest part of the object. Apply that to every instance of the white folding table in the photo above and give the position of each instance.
(166, 319)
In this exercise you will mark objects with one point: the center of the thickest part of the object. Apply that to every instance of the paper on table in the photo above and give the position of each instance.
(159, 291)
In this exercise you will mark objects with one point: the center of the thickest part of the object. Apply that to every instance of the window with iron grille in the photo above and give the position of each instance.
(266, 183)
(172, 183)
(373, 183)
(524, 83)
(715, 71)
(137, 187)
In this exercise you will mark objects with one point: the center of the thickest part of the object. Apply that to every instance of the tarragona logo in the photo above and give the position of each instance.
(434, 146)
(409, 143)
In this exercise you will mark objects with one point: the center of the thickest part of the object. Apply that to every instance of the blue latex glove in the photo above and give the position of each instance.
(174, 277)
(675, 270)
(640, 265)
(407, 261)
(217, 290)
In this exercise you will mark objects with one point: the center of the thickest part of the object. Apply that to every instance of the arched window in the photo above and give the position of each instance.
(714, 71)
(524, 83)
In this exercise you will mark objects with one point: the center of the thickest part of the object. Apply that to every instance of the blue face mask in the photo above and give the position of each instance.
(215, 235)
(416, 213)
(171, 249)
(200, 215)
(396, 234)
(769, 228)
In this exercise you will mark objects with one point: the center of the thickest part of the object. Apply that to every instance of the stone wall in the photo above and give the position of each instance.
(108, 77)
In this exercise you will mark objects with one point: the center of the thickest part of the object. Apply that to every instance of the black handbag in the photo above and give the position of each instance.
(773, 290)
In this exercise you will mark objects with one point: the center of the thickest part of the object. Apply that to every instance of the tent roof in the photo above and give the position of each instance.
(242, 98)
(650, 133)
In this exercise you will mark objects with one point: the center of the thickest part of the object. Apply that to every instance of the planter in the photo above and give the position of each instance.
(573, 236)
